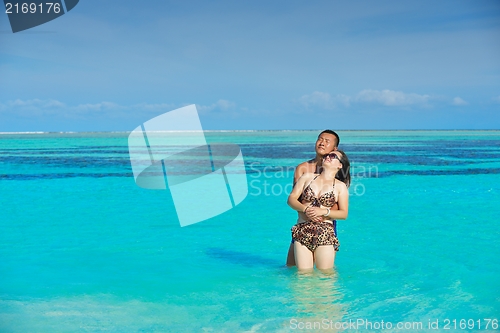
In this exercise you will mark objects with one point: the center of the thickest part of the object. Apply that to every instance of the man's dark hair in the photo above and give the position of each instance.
(332, 133)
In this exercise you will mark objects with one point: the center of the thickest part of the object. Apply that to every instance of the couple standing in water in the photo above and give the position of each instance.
(320, 196)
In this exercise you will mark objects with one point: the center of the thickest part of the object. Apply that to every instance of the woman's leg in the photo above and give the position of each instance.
(303, 256)
(290, 259)
(324, 256)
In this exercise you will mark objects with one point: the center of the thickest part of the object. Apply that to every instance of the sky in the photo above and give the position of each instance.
(256, 65)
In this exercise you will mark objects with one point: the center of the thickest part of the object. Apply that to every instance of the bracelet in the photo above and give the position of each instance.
(305, 210)
(328, 212)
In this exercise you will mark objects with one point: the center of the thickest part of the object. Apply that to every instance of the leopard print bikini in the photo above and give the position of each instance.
(314, 234)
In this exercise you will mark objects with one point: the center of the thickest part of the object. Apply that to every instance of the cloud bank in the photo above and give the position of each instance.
(220, 105)
(391, 98)
(51, 107)
(367, 97)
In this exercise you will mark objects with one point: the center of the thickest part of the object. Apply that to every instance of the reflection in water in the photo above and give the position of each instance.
(317, 297)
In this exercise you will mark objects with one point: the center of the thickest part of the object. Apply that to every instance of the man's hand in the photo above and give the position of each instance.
(314, 214)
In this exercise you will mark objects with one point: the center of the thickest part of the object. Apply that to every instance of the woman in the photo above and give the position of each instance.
(326, 142)
(315, 235)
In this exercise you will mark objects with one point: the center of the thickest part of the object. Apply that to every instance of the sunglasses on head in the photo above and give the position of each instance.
(332, 156)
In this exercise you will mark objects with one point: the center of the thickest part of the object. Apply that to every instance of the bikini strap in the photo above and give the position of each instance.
(312, 180)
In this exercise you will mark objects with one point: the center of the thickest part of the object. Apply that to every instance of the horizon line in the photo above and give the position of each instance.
(253, 130)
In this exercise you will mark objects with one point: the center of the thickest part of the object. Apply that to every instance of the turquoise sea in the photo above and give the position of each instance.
(83, 249)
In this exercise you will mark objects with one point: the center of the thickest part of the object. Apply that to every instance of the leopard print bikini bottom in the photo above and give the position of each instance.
(314, 234)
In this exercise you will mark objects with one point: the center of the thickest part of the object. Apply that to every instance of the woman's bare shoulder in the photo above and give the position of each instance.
(341, 185)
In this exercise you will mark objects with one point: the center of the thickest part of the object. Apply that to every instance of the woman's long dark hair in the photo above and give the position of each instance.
(344, 174)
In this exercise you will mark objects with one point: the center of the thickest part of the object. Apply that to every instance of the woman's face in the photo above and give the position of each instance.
(333, 159)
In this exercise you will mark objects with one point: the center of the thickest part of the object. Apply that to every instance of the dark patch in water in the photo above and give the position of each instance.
(380, 174)
(62, 175)
(468, 155)
(384, 174)
(242, 258)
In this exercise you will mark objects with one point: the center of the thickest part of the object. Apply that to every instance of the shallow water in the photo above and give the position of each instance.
(83, 248)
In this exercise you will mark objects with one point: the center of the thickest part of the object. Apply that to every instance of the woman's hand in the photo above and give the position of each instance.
(315, 214)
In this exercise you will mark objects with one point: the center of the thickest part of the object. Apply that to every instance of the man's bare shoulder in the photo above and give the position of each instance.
(307, 166)
(302, 168)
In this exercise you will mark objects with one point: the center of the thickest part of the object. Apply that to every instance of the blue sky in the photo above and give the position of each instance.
(111, 65)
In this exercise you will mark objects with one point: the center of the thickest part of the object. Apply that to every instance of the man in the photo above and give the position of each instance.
(327, 142)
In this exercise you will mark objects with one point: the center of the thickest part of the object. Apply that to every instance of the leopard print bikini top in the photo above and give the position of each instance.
(326, 199)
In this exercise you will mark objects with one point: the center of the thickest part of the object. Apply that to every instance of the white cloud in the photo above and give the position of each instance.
(38, 107)
(35, 103)
(220, 105)
(96, 107)
(391, 98)
(323, 100)
(458, 101)
(32, 107)
(317, 98)
(159, 107)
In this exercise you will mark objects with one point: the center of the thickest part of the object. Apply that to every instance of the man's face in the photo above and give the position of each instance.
(326, 143)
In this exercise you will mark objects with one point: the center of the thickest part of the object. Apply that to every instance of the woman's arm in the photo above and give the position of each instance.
(293, 198)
